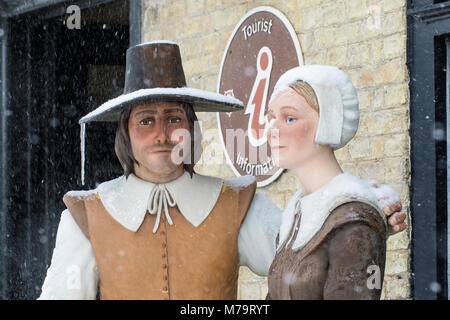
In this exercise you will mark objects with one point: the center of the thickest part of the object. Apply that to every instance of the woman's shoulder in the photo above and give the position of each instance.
(326, 206)
(347, 221)
(353, 201)
(356, 212)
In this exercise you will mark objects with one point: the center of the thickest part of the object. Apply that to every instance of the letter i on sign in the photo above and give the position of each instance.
(256, 105)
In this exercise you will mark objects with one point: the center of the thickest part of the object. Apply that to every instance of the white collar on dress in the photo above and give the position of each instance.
(128, 199)
(317, 206)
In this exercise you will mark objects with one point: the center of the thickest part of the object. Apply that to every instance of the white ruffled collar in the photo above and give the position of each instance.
(317, 206)
(128, 199)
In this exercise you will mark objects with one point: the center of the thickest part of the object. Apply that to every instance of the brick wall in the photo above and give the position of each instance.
(366, 38)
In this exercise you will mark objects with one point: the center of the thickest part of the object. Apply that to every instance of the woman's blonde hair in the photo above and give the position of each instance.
(306, 91)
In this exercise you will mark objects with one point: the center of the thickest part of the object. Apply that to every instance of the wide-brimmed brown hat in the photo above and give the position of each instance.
(154, 72)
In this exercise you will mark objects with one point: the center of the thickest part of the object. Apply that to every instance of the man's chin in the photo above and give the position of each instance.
(159, 157)
(162, 163)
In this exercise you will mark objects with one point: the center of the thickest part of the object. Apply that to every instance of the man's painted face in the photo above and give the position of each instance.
(293, 127)
(151, 128)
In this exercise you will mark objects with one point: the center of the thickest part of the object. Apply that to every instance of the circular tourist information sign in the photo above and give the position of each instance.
(261, 48)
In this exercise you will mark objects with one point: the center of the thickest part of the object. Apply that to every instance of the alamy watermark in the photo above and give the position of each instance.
(374, 280)
(213, 153)
(74, 19)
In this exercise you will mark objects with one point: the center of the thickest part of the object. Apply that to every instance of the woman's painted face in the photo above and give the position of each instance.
(293, 126)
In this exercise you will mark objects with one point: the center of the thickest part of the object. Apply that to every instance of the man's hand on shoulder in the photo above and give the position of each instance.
(392, 207)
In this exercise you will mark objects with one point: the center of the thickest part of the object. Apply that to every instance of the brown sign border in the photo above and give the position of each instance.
(294, 38)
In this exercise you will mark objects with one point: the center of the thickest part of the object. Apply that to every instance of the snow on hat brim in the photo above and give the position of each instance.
(202, 101)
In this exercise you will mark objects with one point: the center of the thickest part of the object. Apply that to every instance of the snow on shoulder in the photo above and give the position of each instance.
(81, 194)
(317, 206)
(385, 194)
(239, 183)
(106, 186)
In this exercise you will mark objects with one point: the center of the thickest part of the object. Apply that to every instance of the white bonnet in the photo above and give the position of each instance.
(337, 98)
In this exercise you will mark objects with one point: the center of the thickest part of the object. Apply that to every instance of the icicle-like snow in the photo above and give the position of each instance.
(83, 139)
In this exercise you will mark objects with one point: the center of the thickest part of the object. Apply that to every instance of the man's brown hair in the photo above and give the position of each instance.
(122, 144)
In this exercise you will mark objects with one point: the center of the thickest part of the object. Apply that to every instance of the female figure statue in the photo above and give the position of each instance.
(332, 240)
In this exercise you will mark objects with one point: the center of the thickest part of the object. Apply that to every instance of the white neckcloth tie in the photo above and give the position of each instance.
(159, 197)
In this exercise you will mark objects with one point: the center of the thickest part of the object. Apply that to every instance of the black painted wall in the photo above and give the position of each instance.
(48, 72)
(428, 24)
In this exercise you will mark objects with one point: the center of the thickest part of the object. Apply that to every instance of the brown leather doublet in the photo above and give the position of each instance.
(179, 261)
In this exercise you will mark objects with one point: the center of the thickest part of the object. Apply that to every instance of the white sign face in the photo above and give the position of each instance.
(261, 48)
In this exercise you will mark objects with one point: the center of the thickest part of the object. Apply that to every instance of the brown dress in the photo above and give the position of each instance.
(336, 262)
